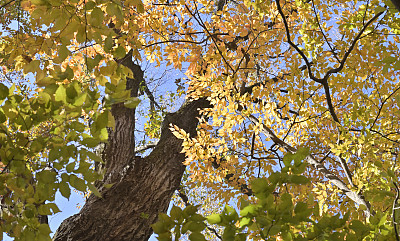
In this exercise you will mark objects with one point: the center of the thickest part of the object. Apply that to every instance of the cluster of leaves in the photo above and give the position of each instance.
(45, 148)
(48, 130)
(320, 74)
(273, 215)
(280, 75)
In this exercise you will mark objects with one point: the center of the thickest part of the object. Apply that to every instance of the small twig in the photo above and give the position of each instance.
(177, 41)
(149, 94)
(7, 3)
(145, 147)
(346, 170)
(326, 156)
(381, 107)
(215, 232)
(183, 196)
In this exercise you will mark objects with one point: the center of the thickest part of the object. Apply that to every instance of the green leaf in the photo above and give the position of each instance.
(159, 227)
(298, 179)
(71, 92)
(177, 232)
(69, 73)
(65, 190)
(300, 207)
(4, 91)
(379, 9)
(190, 210)
(196, 236)
(53, 207)
(244, 221)
(63, 53)
(90, 142)
(230, 213)
(101, 120)
(61, 94)
(185, 227)
(261, 188)
(119, 52)
(70, 167)
(229, 233)
(176, 212)
(132, 102)
(360, 228)
(48, 209)
(94, 190)
(46, 176)
(196, 226)
(77, 126)
(45, 82)
(44, 232)
(197, 218)
(251, 209)
(96, 17)
(91, 63)
(3, 117)
(114, 10)
(108, 43)
(77, 183)
(90, 5)
(300, 155)
(140, 8)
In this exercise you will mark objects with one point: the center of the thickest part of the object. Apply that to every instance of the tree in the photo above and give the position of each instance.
(292, 112)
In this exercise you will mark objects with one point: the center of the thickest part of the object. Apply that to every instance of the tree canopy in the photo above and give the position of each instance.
(291, 120)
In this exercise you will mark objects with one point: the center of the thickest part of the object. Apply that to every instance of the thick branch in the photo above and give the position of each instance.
(144, 189)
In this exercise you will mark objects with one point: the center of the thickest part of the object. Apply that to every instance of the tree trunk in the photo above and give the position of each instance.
(143, 187)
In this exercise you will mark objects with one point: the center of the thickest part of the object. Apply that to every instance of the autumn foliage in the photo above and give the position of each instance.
(301, 141)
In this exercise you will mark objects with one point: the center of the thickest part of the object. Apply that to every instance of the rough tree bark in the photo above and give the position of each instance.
(143, 187)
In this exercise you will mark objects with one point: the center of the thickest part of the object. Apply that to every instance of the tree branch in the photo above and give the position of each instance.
(145, 147)
(289, 40)
(7, 3)
(353, 44)
(394, 211)
(324, 80)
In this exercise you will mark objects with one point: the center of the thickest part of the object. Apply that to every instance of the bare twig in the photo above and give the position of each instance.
(145, 147)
